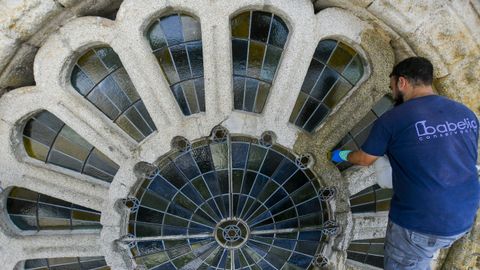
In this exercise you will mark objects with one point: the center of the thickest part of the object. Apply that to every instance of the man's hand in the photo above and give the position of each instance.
(340, 155)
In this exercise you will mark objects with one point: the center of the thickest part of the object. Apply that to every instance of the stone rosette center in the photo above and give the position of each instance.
(232, 234)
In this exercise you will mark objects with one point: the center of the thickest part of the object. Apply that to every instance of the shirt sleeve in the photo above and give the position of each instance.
(378, 140)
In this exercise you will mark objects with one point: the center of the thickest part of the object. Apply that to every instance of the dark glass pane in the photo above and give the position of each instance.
(179, 96)
(191, 28)
(260, 25)
(49, 120)
(39, 132)
(262, 95)
(256, 53)
(109, 58)
(324, 50)
(180, 58)
(238, 92)
(156, 37)
(65, 161)
(125, 84)
(102, 102)
(308, 109)
(366, 121)
(172, 28)
(80, 81)
(383, 105)
(278, 32)
(191, 96)
(239, 52)
(320, 113)
(195, 56)
(354, 71)
(250, 94)
(92, 66)
(314, 71)
(298, 106)
(272, 58)
(165, 60)
(339, 90)
(241, 25)
(241, 152)
(143, 111)
(126, 125)
(200, 89)
(136, 119)
(114, 93)
(324, 83)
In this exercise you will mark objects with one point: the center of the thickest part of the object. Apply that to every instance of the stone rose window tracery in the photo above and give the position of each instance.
(237, 198)
(230, 202)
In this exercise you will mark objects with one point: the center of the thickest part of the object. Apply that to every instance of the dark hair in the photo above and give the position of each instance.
(417, 70)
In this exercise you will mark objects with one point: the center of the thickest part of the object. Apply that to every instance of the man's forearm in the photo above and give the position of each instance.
(361, 158)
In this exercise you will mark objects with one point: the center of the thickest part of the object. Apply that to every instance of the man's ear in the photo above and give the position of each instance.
(402, 83)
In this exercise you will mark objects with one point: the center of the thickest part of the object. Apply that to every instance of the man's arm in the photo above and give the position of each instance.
(361, 158)
(358, 157)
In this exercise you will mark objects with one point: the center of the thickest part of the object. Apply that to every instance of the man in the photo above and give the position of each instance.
(431, 143)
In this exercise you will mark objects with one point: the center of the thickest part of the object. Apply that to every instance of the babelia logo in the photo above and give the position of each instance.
(446, 128)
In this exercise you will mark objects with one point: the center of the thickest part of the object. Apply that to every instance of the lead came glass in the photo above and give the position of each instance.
(368, 251)
(258, 40)
(371, 199)
(359, 133)
(334, 70)
(48, 139)
(30, 210)
(67, 263)
(100, 77)
(176, 42)
(229, 204)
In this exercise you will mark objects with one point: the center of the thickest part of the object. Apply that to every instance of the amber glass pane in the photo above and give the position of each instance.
(181, 59)
(66, 148)
(100, 77)
(241, 25)
(333, 72)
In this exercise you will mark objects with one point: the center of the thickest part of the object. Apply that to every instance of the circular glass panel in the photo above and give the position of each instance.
(229, 204)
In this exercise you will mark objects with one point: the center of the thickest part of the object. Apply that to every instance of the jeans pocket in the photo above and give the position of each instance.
(429, 242)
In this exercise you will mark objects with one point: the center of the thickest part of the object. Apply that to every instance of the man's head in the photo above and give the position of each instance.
(408, 75)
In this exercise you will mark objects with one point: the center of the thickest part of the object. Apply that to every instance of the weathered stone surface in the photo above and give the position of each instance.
(8, 46)
(21, 19)
(19, 71)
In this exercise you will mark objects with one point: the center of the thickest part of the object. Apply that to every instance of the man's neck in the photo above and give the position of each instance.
(420, 91)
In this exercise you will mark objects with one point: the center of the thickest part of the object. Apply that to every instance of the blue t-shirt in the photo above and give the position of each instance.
(431, 143)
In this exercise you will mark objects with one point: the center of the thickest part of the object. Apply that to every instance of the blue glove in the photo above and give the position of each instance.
(340, 155)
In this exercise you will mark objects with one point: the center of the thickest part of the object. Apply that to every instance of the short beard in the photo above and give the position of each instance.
(398, 99)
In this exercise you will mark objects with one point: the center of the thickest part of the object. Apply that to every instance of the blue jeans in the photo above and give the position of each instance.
(409, 250)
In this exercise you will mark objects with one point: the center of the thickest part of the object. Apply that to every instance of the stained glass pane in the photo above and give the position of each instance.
(71, 263)
(47, 138)
(221, 194)
(258, 39)
(359, 133)
(371, 199)
(368, 251)
(29, 210)
(100, 77)
(333, 72)
(181, 59)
